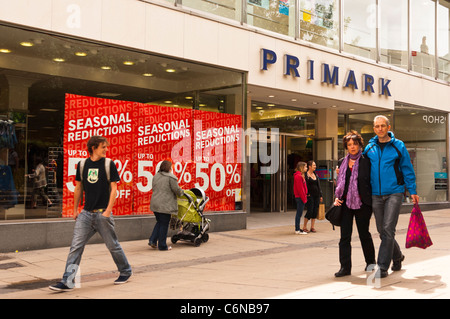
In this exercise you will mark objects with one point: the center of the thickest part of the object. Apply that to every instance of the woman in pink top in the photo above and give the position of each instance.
(300, 191)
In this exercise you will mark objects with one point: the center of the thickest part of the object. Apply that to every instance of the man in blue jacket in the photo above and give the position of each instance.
(391, 172)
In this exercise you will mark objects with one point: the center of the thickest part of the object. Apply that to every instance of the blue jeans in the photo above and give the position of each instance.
(86, 225)
(386, 209)
(300, 207)
(159, 234)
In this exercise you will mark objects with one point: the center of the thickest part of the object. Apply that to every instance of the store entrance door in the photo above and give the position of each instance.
(274, 192)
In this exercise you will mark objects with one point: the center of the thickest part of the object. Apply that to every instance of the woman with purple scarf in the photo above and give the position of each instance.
(354, 193)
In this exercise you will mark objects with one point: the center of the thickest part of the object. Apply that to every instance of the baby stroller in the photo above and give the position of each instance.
(190, 219)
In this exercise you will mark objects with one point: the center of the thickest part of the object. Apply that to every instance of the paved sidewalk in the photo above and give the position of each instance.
(267, 260)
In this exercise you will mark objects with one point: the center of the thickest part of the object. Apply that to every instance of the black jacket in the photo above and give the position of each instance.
(364, 186)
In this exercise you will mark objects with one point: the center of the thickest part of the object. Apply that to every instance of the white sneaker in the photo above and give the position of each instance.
(300, 232)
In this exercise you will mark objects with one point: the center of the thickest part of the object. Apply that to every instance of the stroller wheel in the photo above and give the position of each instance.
(174, 239)
(205, 237)
(197, 242)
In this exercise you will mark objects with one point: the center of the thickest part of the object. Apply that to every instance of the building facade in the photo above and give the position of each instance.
(235, 92)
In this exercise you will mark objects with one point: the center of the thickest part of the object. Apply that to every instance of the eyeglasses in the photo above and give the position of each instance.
(351, 137)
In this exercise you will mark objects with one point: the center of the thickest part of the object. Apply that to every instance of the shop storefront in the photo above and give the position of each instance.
(56, 92)
(235, 92)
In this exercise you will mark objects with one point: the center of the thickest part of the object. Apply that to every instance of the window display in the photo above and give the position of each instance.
(41, 82)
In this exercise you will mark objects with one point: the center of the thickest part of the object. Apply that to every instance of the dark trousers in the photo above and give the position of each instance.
(312, 207)
(362, 217)
(159, 234)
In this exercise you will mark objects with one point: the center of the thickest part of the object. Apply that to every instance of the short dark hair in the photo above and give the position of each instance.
(355, 136)
(94, 142)
(165, 166)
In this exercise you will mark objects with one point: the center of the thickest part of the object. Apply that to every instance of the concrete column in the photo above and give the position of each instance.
(326, 127)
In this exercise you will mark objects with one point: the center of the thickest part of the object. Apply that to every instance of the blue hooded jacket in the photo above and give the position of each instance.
(384, 178)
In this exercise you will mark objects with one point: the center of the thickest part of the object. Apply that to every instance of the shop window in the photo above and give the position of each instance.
(394, 32)
(39, 71)
(443, 28)
(225, 8)
(423, 37)
(360, 28)
(424, 132)
(319, 22)
(273, 15)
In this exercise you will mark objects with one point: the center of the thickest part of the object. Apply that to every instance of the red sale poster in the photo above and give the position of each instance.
(87, 116)
(204, 148)
(217, 148)
(160, 133)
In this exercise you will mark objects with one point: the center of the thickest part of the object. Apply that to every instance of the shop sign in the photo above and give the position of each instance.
(328, 75)
(440, 180)
(204, 148)
(434, 119)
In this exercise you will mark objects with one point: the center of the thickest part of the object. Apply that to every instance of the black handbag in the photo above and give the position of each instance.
(334, 215)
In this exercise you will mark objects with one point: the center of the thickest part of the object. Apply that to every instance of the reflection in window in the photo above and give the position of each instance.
(225, 8)
(394, 32)
(272, 15)
(422, 39)
(360, 28)
(424, 133)
(444, 39)
(319, 22)
(36, 75)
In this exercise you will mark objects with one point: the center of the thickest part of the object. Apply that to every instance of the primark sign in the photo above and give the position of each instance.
(328, 75)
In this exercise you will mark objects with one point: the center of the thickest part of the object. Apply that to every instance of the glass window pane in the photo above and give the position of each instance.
(444, 40)
(230, 9)
(319, 22)
(360, 27)
(425, 135)
(394, 32)
(36, 72)
(422, 36)
(273, 15)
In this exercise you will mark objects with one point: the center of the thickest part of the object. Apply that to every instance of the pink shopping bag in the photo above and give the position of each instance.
(417, 235)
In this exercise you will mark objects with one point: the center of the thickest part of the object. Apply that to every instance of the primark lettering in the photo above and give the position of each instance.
(329, 75)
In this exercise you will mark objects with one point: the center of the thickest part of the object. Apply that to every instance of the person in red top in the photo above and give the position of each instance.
(300, 192)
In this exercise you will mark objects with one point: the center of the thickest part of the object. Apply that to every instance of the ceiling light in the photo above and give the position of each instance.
(105, 67)
(26, 44)
(333, 106)
(80, 53)
(271, 95)
(271, 105)
(294, 100)
(49, 110)
(351, 109)
(171, 70)
(128, 62)
(147, 74)
(259, 107)
(168, 102)
(315, 103)
(59, 60)
(188, 97)
(107, 94)
(5, 51)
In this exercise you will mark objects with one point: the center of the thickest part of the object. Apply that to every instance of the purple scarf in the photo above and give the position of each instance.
(353, 201)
